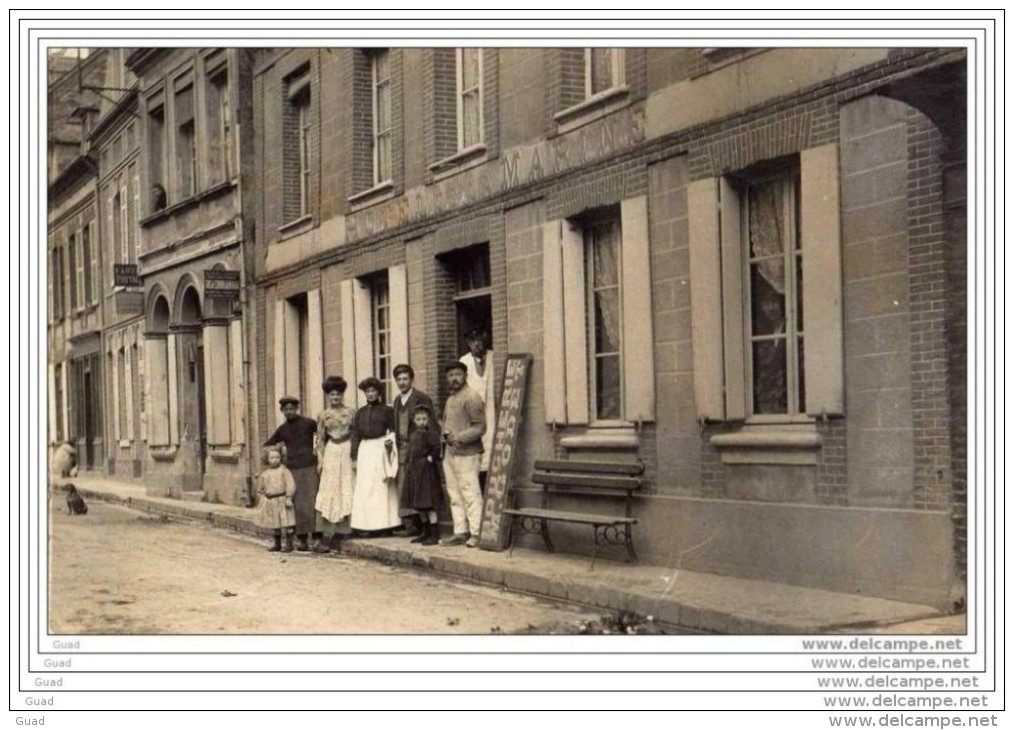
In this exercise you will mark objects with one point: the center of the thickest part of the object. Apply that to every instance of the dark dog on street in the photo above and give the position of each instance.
(75, 504)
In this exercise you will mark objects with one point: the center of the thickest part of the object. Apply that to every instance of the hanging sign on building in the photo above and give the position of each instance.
(493, 533)
(221, 284)
(126, 275)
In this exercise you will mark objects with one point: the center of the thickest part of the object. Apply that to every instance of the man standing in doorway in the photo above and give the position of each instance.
(478, 362)
(464, 426)
(405, 403)
(297, 433)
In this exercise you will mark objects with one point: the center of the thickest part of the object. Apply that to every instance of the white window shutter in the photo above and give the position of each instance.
(314, 356)
(347, 304)
(575, 337)
(362, 312)
(128, 390)
(553, 361)
(239, 400)
(822, 287)
(397, 281)
(732, 301)
(117, 374)
(53, 389)
(290, 337)
(638, 330)
(706, 298)
(280, 305)
(158, 378)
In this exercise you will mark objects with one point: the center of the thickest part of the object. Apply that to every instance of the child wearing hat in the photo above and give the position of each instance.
(422, 485)
(276, 488)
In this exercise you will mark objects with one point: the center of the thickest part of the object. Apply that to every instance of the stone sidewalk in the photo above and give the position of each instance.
(697, 601)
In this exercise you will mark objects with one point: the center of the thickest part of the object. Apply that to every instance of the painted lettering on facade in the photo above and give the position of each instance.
(517, 167)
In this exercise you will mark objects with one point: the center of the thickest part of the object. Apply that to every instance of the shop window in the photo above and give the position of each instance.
(186, 142)
(767, 340)
(380, 72)
(469, 97)
(602, 275)
(219, 126)
(297, 127)
(603, 70)
(156, 157)
(597, 318)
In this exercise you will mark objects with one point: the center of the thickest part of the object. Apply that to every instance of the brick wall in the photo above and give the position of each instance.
(413, 105)
(878, 383)
(440, 118)
(523, 278)
(522, 94)
(928, 282)
(677, 435)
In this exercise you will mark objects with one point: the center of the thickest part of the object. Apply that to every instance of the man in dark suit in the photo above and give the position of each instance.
(407, 400)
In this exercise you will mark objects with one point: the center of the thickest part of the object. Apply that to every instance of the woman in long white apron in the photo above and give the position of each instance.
(375, 460)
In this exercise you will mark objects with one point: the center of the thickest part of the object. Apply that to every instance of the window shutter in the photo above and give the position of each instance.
(293, 376)
(128, 391)
(172, 360)
(638, 332)
(822, 288)
(575, 337)
(347, 303)
(136, 215)
(397, 282)
(553, 348)
(238, 434)
(362, 309)
(216, 370)
(54, 388)
(115, 362)
(124, 242)
(706, 298)
(314, 355)
(280, 358)
(732, 301)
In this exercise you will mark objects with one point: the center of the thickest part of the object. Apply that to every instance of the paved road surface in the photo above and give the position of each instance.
(117, 571)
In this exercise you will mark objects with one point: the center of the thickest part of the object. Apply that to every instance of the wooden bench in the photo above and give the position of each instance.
(594, 478)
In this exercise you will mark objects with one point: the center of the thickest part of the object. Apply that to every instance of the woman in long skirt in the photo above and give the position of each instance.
(334, 457)
(375, 460)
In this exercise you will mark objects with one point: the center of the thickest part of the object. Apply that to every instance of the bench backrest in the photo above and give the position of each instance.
(589, 475)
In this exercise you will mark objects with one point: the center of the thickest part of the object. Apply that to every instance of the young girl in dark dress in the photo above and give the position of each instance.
(423, 482)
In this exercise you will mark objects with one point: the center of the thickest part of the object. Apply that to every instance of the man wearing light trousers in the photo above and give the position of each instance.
(464, 426)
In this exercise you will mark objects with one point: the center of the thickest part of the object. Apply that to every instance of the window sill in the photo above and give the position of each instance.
(295, 227)
(592, 108)
(377, 194)
(225, 454)
(458, 162)
(195, 199)
(788, 444)
(602, 438)
(162, 453)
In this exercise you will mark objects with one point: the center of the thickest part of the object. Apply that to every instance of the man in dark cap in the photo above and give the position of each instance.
(297, 433)
(408, 399)
(479, 377)
(464, 425)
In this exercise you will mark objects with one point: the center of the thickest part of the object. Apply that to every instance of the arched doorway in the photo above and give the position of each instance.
(191, 379)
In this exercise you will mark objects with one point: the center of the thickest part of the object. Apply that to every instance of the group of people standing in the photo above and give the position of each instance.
(374, 470)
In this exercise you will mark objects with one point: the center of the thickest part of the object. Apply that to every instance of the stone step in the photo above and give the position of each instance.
(196, 495)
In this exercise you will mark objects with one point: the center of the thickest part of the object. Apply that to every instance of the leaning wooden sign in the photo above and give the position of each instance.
(493, 533)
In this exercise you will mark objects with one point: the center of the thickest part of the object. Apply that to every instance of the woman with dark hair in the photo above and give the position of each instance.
(375, 461)
(334, 459)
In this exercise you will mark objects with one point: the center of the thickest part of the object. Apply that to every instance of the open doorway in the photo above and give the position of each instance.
(473, 293)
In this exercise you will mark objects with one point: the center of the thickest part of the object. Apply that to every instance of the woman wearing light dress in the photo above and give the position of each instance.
(334, 448)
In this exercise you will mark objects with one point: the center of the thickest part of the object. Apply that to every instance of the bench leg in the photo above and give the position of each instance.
(629, 542)
(545, 534)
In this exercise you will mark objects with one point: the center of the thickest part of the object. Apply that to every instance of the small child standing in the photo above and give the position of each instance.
(423, 482)
(276, 488)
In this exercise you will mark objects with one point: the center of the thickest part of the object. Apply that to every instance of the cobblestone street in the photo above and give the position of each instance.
(118, 571)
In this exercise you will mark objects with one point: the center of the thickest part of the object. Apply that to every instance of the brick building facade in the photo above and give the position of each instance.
(640, 220)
